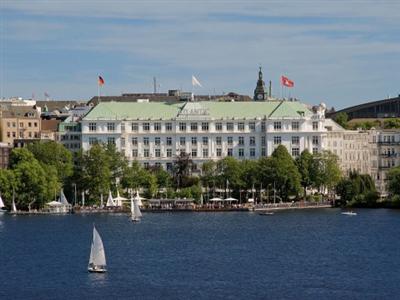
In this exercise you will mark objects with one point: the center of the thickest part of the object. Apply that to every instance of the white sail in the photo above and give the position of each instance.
(1, 203)
(83, 198)
(110, 201)
(101, 201)
(63, 199)
(97, 255)
(13, 206)
(137, 212)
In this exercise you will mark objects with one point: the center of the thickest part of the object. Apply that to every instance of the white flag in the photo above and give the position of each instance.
(196, 82)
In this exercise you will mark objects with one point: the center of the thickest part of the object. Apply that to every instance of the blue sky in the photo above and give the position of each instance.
(338, 52)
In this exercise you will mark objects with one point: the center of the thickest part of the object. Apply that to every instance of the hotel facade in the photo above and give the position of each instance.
(155, 133)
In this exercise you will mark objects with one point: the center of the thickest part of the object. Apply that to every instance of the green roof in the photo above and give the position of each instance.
(203, 109)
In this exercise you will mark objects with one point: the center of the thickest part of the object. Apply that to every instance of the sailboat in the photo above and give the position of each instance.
(97, 260)
(2, 206)
(13, 206)
(135, 210)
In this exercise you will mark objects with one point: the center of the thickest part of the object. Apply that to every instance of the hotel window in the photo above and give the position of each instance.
(122, 142)
(9, 124)
(252, 126)
(241, 152)
(252, 152)
(146, 165)
(8, 134)
(92, 127)
(218, 126)
(168, 126)
(315, 125)
(146, 126)
(182, 126)
(263, 152)
(122, 126)
(205, 140)
(134, 153)
(194, 153)
(314, 150)
(194, 141)
(30, 134)
(14, 134)
(241, 126)
(205, 152)
(169, 152)
(252, 141)
(315, 140)
(157, 141)
(158, 165)
(277, 126)
(169, 166)
(277, 140)
(204, 126)
(295, 125)
(193, 126)
(230, 140)
(262, 126)
(157, 153)
(263, 140)
(21, 124)
(182, 141)
(110, 126)
(218, 140)
(146, 152)
(135, 127)
(230, 152)
(157, 126)
(169, 141)
(241, 140)
(229, 126)
(15, 124)
(146, 141)
(295, 152)
(111, 140)
(295, 140)
(21, 134)
(92, 140)
(219, 152)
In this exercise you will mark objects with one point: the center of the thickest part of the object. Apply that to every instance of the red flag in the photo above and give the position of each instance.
(287, 82)
(101, 81)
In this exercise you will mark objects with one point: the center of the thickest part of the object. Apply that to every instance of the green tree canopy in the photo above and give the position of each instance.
(394, 181)
(304, 163)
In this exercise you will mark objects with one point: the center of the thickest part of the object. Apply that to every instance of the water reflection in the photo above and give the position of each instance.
(97, 280)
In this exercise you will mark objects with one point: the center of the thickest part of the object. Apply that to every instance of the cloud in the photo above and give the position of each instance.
(335, 51)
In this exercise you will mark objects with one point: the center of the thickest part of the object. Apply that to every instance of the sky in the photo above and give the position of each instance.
(338, 52)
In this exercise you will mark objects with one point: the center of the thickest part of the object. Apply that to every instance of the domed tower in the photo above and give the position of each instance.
(260, 93)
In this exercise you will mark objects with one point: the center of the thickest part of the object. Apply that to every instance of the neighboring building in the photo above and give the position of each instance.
(49, 129)
(154, 133)
(5, 151)
(69, 134)
(387, 108)
(20, 122)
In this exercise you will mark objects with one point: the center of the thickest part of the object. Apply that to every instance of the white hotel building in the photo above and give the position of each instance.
(155, 132)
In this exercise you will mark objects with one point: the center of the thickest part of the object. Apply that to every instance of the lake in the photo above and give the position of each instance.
(307, 254)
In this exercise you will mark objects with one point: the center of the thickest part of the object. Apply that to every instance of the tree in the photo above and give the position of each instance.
(325, 171)
(342, 119)
(182, 170)
(7, 184)
(304, 163)
(94, 172)
(116, 162)
(229, 173)
(209, 174)
(53, 154)
(394, 181)
(357, 190)
(285, 173)
(20, 155)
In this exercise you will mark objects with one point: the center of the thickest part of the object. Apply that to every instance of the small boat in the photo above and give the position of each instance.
(13, 206)
(97, 260)
(349, 213)
(2, 206)
(136, 214)
(266, 213)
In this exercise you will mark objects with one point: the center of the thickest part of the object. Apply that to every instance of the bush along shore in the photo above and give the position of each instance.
(38, 172)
